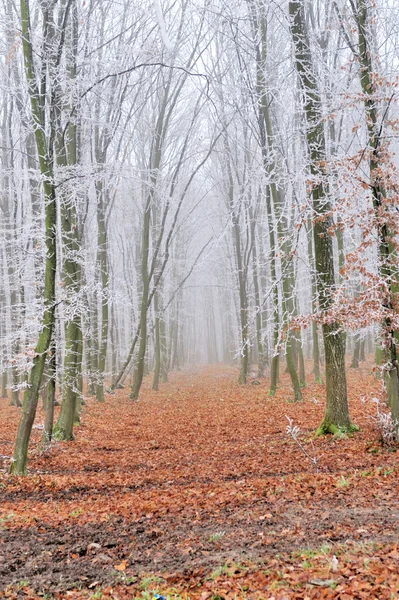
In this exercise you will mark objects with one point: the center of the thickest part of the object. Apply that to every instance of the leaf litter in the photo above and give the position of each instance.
(198, 491)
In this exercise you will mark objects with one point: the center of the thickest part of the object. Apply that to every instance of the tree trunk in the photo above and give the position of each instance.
(18, 465)
(140, 360)
(102, 261)
(356, 352)
(362, 351)
(157, 370)
(67, 156)
(164, 356)
(258, 307)
(313, 279)
(337, 413)
(64, 427)
(50, 397)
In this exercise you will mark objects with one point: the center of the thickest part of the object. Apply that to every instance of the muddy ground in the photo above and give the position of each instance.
(200, 486)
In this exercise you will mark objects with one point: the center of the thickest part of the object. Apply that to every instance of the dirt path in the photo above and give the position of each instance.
(201, 483)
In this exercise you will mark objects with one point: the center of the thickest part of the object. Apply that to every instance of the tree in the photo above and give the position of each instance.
(42, 116)
(378, 189)
(67, 156)
(337, 413)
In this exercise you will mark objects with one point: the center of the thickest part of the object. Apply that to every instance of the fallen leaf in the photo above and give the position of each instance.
(122, 566)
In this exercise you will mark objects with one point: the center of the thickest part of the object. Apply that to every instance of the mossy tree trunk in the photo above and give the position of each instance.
(50, 396)
(66, 151)
(44, 150)
(337, 412)
(313, 288)
(287, 292)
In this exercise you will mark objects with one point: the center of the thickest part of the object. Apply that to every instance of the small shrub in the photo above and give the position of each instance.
(388, 429)
(294, 431)
(215, 537)
(342, 481)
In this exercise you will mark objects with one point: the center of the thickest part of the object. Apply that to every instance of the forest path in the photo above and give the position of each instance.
(196, 477)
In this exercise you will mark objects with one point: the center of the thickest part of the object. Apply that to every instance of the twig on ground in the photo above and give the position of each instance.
(294, 431)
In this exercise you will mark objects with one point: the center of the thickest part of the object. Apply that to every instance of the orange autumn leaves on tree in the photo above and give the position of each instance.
(353, 213)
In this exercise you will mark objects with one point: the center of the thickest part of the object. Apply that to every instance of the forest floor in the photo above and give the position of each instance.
(198, 491)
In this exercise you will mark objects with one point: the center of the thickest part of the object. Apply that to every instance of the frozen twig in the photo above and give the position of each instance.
(293, 431)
